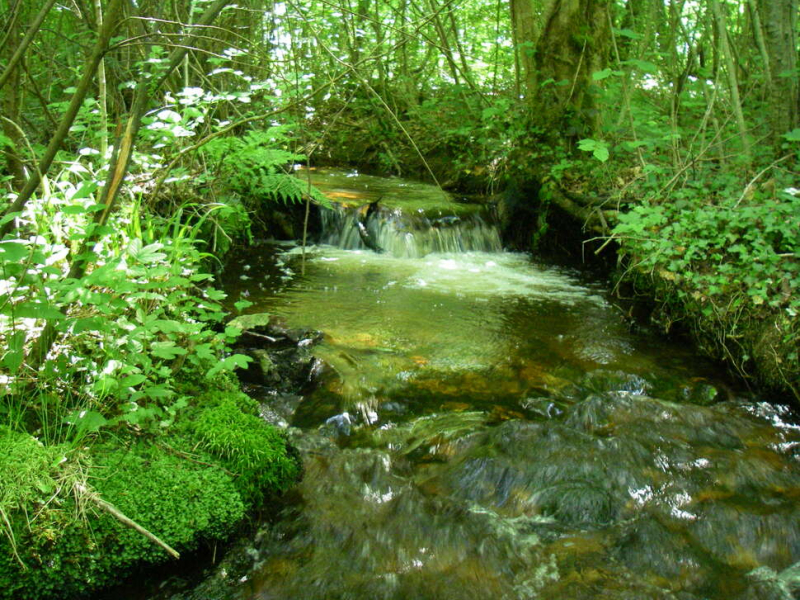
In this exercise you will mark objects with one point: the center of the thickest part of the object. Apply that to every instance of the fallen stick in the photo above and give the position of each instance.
(119, 516)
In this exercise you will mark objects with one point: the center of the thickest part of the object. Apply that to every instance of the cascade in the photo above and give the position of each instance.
(408, 235)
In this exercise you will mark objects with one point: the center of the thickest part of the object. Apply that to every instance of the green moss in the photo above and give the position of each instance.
(228, 429)
(63, 552)
(55, 542)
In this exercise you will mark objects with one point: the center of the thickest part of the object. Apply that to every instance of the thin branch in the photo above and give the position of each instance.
(23, 46)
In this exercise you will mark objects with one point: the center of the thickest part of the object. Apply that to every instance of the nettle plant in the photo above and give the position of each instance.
(142, 317)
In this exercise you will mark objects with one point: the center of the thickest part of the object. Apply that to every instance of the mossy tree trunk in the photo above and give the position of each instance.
(561, 43)
(779, 25)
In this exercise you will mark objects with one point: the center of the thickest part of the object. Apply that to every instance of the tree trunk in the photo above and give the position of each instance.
(733, 82)
(573, 44)
(10, 102)
(526, 33)
(779, 24)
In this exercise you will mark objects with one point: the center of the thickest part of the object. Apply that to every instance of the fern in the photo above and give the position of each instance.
(255, 166)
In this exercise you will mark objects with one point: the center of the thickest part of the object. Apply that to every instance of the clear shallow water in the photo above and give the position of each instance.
(489, 428)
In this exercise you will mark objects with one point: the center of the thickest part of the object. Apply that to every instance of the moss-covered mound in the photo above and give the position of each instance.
(229, 430)
(58, 542)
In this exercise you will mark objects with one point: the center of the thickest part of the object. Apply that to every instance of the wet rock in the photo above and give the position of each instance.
(282, 358)
(278, 409)
(699, 391)
(766, 584)
(656, 553)
(576, 503)
(594, 414)
(543, 407)
(394, 408)
(338, 426)
(743, 539)
(602, 380)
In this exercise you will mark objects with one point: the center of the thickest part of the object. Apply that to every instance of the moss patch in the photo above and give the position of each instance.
(57, 543)
(245, 444)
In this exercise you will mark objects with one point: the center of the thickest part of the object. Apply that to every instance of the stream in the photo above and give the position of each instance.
(489, 427)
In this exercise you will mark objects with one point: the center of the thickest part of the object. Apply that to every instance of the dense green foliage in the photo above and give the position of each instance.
(140, 141)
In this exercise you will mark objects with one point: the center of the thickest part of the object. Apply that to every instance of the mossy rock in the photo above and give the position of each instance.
(73, 547)
(67, 552)
(227, 428)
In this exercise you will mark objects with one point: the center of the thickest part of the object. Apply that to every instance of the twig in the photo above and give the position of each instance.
(758, 176)
(119, 516)
(254, 334)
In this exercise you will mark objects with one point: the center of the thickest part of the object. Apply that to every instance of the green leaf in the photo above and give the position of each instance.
(85, 190)
(169, 326)
(628, 33)
(643, 65)
(600, 75)
(75, 209)
(13, 252)
(166, 350)
(37, 310)
(599, 149)
(158, 391)
(204, 352)
(230, 363)
(133, 380)
(15, 352)
(242, 304)
(601, 153)
(793, 135)
(86, 421)
(233, 332)
(148, 254)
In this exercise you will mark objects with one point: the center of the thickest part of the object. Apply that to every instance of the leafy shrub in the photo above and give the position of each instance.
(730, 264)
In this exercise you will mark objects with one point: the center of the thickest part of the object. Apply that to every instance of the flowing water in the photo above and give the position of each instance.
(488, 427)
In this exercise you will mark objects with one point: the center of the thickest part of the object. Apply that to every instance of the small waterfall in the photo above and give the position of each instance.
(407, 235)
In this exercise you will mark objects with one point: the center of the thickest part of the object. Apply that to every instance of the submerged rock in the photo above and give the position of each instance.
(282, 357)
